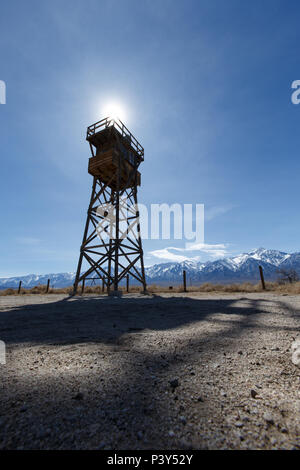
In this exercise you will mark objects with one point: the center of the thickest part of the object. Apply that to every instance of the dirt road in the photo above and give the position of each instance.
(170, 371)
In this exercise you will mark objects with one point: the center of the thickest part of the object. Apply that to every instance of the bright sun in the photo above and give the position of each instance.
(114, 111)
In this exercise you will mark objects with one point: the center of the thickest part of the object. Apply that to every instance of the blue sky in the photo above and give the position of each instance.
(206, 86)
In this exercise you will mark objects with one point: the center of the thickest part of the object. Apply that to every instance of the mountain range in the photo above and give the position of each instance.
(241, 268)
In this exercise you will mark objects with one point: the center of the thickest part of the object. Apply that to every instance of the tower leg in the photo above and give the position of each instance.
(117, 206)
(141, 248)
(75, 286)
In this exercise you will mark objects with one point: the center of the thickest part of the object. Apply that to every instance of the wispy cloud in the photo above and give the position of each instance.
(215, 251)
(167, 255)
(199, 252)
(213, 212)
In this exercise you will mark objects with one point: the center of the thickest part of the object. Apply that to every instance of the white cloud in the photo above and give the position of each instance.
(215, 251)
(167, 255)
(201, 252)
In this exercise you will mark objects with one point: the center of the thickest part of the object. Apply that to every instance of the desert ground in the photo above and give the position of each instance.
(163, 371)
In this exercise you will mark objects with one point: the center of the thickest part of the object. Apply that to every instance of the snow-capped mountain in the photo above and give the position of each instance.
(243, 267)
(31, 280)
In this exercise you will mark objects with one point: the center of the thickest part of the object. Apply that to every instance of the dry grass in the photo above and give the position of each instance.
(37, 290)
(287, 288)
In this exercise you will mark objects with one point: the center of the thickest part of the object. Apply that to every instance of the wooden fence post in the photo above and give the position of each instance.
(82, 286)
(19, 289)
(184, 280)
(127, 283)
(48, 285)
(262, 278)
(103, 284)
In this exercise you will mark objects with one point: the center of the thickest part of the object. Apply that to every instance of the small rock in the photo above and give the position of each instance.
(174, 383)
(268, 418)
(78, 396)
(295, 344)
(200, 399)
(239, 424)
(182, 419)
(296, 357)
(171, 433)
(253, 393)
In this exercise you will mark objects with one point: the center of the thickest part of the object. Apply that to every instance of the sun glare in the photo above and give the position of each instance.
(114, 111)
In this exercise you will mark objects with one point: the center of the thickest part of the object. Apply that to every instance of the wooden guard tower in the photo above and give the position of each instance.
(112, 246)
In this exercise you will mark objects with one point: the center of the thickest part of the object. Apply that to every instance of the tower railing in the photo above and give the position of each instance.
(121, 128)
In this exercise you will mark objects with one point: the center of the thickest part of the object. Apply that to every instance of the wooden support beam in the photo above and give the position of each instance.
(48, 285)
(82, 286)
(127, 283)
(19, 289)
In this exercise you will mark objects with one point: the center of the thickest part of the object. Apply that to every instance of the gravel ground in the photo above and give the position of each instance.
(169, 371)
